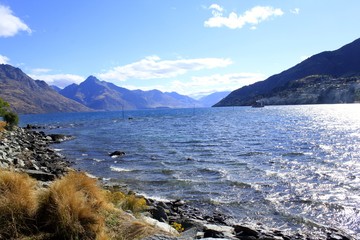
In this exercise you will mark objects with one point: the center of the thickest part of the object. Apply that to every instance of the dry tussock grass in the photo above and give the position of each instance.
(2, 126)
(73, 207)
(18, 204)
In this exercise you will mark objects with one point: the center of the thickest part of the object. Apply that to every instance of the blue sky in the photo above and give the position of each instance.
(192, 47)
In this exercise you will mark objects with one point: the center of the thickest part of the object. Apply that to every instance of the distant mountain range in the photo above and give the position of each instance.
(101, 95)
(29, 96)
(34, 96)
(327, 77)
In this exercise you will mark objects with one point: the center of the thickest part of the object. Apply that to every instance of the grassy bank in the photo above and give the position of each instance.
(73, 207)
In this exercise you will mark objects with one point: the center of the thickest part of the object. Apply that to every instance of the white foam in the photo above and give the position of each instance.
(119, 169)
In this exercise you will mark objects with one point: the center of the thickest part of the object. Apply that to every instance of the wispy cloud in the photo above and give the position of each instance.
(60, 80)
(295, 11)
(253, 17)
(10, 25)
(4, 59)
(210, 84)
(216, 9)
(153, 67)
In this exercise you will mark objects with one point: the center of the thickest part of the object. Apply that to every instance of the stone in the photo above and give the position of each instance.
(117, 154)
(39, 175)
(210, 233)
(160, 225)
(245, 231)
(159, 214)
(58, 138)
(160, 237)
(212, 230)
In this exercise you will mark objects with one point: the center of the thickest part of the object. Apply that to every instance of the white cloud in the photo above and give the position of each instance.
(4, 59)
(216, 10)
(153, 67)
(204, 85)
(295, 10)
(10, 25)
(59, 80)
(253, 17)
(215, 83)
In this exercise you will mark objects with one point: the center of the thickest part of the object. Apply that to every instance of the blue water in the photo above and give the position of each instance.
(296, 168)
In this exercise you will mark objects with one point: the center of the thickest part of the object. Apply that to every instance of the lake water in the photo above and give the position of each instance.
(290, 167)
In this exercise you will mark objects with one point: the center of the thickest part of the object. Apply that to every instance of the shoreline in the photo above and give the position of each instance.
(31, 151)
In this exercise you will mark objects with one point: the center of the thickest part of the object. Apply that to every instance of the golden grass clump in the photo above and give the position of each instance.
(135, 204)
(2, 126)
(70, 209)
(73, 207)
(18, 204)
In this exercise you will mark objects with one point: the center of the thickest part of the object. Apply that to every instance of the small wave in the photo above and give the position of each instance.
(293, 154)
(58, 149)
(167, 171)
(156, 198)
(250, 154)
(221, 172)
(239, 184)
(98, 160)
(119, 169)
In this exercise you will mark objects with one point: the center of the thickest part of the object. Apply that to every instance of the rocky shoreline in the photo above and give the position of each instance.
(29, 150)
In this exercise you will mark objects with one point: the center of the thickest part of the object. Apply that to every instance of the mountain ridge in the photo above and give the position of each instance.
(102, 95)
(341, 63)
(27, 95)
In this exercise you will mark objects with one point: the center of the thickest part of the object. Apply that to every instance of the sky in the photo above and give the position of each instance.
(193, 47)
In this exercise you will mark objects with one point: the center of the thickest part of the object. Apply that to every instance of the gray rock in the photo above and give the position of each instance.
(245, 231)
(161, 237)
(39, 175)
(117, 154)
(159, 214)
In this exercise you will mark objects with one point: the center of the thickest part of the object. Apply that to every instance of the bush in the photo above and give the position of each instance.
(70, 209)
(18, 204)
(11, 118)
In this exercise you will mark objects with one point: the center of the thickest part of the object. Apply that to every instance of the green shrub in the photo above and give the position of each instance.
(11, 118)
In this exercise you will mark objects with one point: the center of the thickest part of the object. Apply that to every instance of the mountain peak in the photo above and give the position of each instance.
(92, 79)
(11, 72)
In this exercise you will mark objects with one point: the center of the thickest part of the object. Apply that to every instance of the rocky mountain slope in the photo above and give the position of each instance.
(327, 77)
(26, 95)
(101, 95)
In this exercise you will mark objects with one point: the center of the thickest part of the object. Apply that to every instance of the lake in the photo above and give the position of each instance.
(290, 167)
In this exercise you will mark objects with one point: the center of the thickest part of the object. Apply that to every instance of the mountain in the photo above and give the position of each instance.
(102, 95)
(158, 99)
(56, 88)
(211, 99)
(26, 95)
(329, 68)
